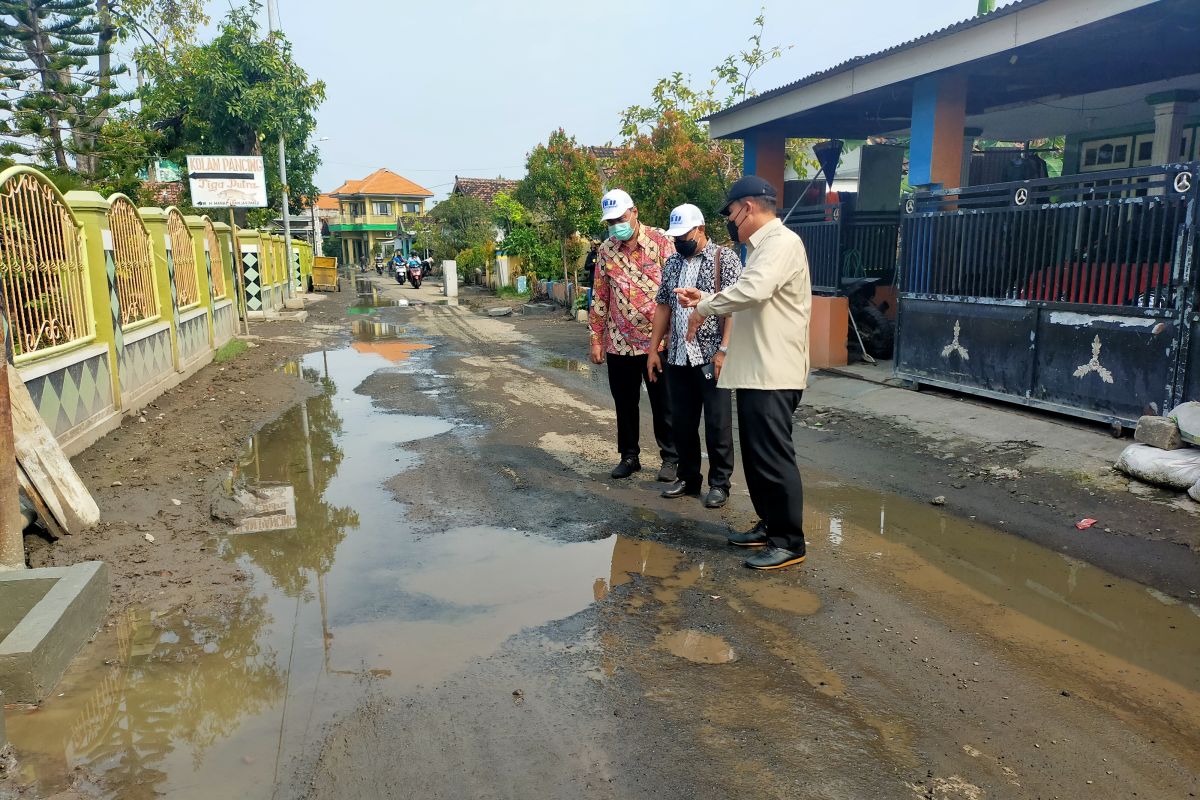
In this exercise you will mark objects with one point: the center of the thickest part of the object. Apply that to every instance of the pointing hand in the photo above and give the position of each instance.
(690, 297)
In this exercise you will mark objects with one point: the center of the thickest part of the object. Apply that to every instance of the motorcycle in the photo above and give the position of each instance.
(399, 270)
(379, 266)
(872, 333)
(415, 275)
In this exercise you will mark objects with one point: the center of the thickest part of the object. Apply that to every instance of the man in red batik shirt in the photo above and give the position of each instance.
(628, 273)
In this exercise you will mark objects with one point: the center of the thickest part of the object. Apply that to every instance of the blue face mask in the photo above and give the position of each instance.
(622, 231)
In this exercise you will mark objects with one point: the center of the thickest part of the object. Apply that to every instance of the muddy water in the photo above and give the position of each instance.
(347, 597)
(936, 554)
(344, 594)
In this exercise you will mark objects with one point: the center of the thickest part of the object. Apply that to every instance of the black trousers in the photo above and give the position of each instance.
(769, 461)
(626, 374)
(693, 394)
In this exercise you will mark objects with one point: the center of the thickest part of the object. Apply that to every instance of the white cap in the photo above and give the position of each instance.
(684, 218)
(615, 203)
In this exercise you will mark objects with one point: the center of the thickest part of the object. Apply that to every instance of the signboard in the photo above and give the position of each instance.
(227, 181)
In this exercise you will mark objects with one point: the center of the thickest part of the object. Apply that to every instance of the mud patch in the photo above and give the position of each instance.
(697, 647)
(780, 596)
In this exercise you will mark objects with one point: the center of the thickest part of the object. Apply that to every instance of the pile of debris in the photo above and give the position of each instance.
(1168, 453)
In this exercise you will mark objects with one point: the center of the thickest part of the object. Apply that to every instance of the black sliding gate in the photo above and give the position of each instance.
(1076, 294)
(844, 243)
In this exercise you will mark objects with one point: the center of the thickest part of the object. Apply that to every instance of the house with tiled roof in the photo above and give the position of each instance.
(310, 222)
(370, 211)
(606, 161)
(484, 189)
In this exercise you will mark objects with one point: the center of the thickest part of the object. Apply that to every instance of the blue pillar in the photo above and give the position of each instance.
(935, 154)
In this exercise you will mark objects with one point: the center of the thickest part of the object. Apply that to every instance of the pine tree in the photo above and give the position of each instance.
(57, 102)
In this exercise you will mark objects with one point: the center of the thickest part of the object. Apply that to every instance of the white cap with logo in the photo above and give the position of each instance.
(684, 218)
(615, 203)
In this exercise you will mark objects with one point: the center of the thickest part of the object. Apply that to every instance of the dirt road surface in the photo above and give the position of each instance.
(439, 593)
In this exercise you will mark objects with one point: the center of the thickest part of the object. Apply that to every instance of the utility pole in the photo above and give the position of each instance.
(287, 211)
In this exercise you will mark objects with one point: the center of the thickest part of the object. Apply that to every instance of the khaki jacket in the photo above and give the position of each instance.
(771, 305)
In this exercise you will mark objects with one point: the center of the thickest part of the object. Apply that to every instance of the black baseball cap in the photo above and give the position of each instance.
(748, 186)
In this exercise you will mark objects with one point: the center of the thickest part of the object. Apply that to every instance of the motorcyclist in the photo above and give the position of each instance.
(398, 266)
(414, 270)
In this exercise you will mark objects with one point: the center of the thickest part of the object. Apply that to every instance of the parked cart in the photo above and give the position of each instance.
(325, 274)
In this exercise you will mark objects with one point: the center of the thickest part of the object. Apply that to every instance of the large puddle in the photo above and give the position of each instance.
(343, 590)
(347, 597)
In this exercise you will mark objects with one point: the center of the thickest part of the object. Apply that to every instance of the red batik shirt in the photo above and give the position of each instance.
(624, 291)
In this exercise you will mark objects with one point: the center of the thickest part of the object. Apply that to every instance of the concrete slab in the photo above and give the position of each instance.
(46, 615)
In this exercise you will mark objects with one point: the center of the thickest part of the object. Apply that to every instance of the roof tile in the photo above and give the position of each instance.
(485, 189)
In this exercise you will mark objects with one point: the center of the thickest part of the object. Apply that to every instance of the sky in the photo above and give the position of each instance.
(441, 88)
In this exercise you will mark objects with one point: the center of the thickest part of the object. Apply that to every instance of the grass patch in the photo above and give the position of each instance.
(509, 293)
(230, 350)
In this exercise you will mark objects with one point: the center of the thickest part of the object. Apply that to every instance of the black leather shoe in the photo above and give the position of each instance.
(681, 489)
(668, 473)
(751, 538)
(774, 558)
(716, 497)
(627, 467)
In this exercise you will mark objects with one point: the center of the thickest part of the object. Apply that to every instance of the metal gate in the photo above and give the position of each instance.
(1076, 294)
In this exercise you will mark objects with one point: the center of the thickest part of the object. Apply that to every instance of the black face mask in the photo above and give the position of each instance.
(732, 227)
(686, 247)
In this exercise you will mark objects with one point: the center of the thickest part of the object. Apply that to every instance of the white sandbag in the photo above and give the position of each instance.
(1194, 492)
(1187, 417)
(1175, 469)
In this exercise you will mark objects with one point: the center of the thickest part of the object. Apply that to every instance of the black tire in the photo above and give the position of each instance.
(877, 331)
(416, 282)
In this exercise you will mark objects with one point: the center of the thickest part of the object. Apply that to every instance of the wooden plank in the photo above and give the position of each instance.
(39, 505)
(50, 474)
(12, 543)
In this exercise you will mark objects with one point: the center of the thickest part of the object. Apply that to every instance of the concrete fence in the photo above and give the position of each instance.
(110, 305)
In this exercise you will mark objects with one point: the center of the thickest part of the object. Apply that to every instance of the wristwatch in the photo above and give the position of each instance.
(723, 349)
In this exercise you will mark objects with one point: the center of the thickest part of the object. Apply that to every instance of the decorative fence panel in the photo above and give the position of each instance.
(1076, 294)
(42, 266)
(133, 259)
(182, 253)
(216, 261)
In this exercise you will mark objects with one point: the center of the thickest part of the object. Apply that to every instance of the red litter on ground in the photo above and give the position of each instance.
(1085, 523)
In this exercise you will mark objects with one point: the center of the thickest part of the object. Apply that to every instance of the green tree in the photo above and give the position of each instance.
(729, 84)
(230, 95)
(562, 188)
(459, 223)
(525, 238)
(49, 85)
(163, 23)
(667, 167)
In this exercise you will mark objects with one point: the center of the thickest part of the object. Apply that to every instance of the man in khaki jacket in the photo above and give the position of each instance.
(767, 364)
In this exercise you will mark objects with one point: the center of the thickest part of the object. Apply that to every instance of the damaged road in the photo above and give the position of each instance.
(463, 604)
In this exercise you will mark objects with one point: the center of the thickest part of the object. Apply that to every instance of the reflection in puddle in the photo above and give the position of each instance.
(571, 365)
(384, 339)
(194, 708)
(200, 708)
(1029, 594)
(697, 647)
